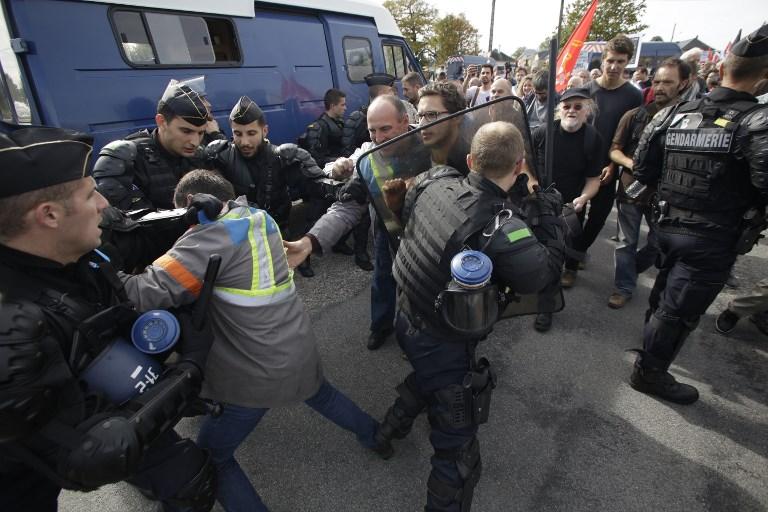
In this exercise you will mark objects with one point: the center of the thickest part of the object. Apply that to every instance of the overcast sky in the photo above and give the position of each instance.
(527, 23)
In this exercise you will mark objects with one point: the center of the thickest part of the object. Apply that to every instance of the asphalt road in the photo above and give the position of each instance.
(566, 432)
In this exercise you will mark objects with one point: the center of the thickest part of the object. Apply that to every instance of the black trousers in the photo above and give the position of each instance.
(599, 208)
(693, 271)
(169, 464)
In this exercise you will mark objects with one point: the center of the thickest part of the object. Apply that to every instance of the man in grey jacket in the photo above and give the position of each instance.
(264, 353)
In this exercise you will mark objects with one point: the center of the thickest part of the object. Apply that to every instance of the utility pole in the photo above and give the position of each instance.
(490, 36)
(673, 33)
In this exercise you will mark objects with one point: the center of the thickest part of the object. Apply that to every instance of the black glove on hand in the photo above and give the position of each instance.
(353, 190)
(543, 203)
(203, 209)
(194, 343)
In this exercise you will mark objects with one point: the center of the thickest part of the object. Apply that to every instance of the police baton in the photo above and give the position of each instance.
(201, 305)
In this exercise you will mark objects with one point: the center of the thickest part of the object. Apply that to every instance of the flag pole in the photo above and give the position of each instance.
(549, 142)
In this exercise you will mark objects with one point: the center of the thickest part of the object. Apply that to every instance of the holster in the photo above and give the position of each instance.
(752, 225)
(480, 382)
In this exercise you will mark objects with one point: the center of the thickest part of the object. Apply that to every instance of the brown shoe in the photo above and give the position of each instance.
(568, 278)
(617, 300)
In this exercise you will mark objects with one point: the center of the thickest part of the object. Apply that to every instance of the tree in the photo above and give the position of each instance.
(500, 56)
(415, 19)
(454, 35)
(657, 38)
(517, 53)
(612, 17)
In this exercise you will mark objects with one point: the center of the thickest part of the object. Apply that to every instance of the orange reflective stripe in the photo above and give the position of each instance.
(179, 273)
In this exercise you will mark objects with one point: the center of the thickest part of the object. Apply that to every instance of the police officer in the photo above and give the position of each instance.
(438, 333)
(142, 170)
(61, 310)
(709, 161)
(323, 138)
(258, 169)
(355, 127)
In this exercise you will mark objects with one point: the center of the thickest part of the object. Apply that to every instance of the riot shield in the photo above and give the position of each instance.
(446, 141)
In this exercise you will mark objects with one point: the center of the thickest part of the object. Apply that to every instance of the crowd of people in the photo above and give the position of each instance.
(463, 219)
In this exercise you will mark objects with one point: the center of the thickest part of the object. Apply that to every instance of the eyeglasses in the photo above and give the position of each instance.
(429, 116)
(575, 107)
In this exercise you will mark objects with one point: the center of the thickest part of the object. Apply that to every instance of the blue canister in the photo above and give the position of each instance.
(471, 269)
(121, 372)
(155, 331)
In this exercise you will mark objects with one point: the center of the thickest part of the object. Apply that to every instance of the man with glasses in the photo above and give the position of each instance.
(576, 167)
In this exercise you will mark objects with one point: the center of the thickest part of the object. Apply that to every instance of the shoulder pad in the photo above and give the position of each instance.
(21, 321)
(215, 147)
(122, 149)
(139, 135)
(288, 151)
(114, 158)
(757, 120)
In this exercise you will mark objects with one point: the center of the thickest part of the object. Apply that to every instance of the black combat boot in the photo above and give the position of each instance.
(383, 446)
(662, 384)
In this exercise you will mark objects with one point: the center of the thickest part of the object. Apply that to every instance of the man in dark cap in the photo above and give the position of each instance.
(62, 309)
(142, 170)
(576, 171)
(260, 170)
(708, 160)
(355, 127)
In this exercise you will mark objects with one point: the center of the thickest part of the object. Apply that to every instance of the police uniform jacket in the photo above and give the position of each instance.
(266, 179)
(709, 159)
(324, 139)
(264, 352)
(138, 172)
(520, 261)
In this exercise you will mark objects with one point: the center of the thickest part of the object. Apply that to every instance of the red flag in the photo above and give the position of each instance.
(570, 52)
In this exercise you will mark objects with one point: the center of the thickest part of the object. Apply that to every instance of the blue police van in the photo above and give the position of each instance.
(100, 66)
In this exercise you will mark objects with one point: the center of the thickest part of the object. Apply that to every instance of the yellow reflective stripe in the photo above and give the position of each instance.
(268, 250)
(255, 282)
(257, 292)
(377, 175)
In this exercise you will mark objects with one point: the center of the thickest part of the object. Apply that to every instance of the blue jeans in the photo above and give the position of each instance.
(628, 260)
(224, 434)
(383, 286)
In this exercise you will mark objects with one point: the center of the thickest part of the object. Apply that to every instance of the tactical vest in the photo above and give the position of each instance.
(335, 133)
(438, 225)
(355, 132)
(702, 175)
(259, 179)
(156, 175)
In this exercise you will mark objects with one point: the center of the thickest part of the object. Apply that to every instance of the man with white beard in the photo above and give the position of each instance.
(576, 167)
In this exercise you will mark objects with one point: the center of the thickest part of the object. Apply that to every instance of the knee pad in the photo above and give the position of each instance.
(399, 419)
(469, 466)
(199, 494)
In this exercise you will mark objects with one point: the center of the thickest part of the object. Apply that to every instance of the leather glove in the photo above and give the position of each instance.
(543, 203)
(353, 190)
(194, 344)
(203, 208)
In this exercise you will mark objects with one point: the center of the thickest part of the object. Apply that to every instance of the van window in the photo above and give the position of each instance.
(14, 101)
(160, 39)
(358, 57)
(394, 60)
